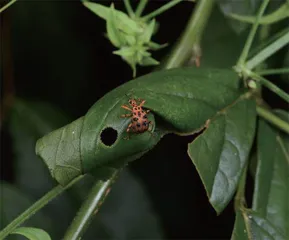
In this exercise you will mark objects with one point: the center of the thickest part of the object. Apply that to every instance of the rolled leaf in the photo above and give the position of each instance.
(180, 100)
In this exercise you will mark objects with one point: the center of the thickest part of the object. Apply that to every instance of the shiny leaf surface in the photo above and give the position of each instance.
(220, 153)
(271, 193)
(180, 99)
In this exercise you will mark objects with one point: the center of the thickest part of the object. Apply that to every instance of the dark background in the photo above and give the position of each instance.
(55, 63)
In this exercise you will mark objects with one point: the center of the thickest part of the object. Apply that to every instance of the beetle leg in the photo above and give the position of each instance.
(150, 124)
(126, 115)
(142, 103)
(128, 128)
(126, 107)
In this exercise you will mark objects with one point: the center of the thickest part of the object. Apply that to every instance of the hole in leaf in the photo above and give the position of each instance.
(108, 136)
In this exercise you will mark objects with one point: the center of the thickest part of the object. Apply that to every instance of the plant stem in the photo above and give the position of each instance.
(140, 7)
(7, 6)
(278, 15)
(89, 208)
(268, 51)
(272, 118)
(128, 8)
(252, 34)
(192, 34)
(240, 201)
(87, 211)
(270, 86)
(36, 206)
(273, 71)
(161, 9)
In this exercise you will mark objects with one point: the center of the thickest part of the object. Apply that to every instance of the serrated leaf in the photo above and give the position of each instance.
(183, 99)
(220, 153)
(123, 21)
(32, 233)
(148, 61)
(148, 32)
(114, 35)
(130, 39)
(156, 46)
(125, 52)
(271, 192)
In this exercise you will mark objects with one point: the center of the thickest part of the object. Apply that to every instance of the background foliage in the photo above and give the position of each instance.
(57, 63)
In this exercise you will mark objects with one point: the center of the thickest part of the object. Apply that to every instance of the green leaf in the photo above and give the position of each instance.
(148, 61)
(221, 152)
(32, 233)
(122, 22)
(113, 33)
(240, 231)
(250, 225)
(148, 32)
(125, 52)
(156, 46)
(271, 193)
(181, 100)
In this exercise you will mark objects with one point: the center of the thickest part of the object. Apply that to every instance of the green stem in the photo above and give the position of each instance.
(269, 85)
(273, 71)
(35, 207)
(278, 15)
(89, 208)
(272, 118)
(192, 34)
(87, 211)
(128, 8)
(161, 10)
(7, 6)
(252, 34)
(240, 201)
(140, 7)
(268, 51)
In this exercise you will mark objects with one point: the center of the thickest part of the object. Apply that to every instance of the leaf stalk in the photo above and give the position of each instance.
(252, 34)
(53, 193)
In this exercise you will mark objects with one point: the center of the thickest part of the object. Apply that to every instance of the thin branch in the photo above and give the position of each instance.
(128, 8)
(252, 34)
(7, 6)
(273, 119)
(266, 83)
(273, 71)
(89, 208)
(36, 207)
(268, 51)
(161, 10)
(140, 7)
(192, 34)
